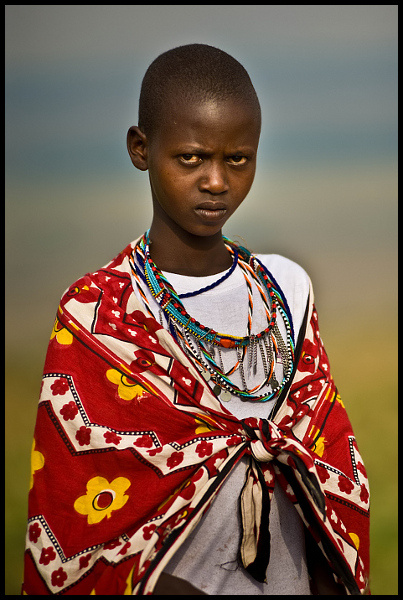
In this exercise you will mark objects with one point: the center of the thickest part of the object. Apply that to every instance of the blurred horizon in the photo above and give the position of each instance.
(325, 192)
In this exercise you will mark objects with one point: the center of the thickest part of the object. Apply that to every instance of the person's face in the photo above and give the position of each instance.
(201, 165)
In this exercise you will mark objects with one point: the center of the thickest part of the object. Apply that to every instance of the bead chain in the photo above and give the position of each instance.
(170, 302)
(187, 327)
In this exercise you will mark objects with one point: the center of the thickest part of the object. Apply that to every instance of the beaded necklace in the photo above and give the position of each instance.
(205, 345)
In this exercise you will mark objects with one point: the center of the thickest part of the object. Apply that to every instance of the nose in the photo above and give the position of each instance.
(214, 180)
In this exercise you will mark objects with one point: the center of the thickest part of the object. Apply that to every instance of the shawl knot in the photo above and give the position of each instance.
(266, 439)
(267, 442)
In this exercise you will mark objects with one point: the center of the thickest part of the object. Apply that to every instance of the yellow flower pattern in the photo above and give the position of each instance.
(37, 462)
(102, 498)
(356, 539)
(205, 424)
(319, 446)
(127, 390)
(62, 335)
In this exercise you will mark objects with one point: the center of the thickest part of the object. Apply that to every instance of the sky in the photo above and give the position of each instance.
(325, 192)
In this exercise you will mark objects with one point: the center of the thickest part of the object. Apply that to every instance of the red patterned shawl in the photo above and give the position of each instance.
(131, 447)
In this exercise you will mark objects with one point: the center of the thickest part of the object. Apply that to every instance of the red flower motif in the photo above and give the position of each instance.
(175, 459)
(324, 475)
(83, 435)
(34, 531)
(144, 442)
(155, 451)
(59, 387)
(204, 448)
(364, 494)
(47, 555)
(148, 531)
(111, 437)
(69, 411)
(345, 485)
(59, 577)
(84, 561)
(234, 440)
(125, 548)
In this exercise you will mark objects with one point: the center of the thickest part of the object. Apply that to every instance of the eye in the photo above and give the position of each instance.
(237, 160)
(190, 159)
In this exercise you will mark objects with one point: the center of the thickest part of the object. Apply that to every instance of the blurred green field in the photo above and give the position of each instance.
(364, 367)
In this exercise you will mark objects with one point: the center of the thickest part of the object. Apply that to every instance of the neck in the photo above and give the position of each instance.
(187, 254)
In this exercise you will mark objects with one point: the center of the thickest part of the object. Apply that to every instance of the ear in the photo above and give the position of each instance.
(137, 148)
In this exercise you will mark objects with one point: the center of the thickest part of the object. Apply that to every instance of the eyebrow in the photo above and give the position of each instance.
(196, 149)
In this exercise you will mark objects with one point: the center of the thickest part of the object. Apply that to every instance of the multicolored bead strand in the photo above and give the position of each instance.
(195, 337)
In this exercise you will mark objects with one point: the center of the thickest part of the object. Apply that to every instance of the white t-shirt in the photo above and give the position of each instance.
(208, 557)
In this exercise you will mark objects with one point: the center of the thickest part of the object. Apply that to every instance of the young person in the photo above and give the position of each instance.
(190, 437)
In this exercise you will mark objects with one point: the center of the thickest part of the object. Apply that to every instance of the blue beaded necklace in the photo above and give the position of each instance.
(202, 343)
(227, 274)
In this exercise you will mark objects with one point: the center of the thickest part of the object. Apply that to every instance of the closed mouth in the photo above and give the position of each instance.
(211, 211)
(210, 205)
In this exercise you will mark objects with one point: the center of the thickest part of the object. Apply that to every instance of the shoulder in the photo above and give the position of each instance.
(112, 279)
(289, 275)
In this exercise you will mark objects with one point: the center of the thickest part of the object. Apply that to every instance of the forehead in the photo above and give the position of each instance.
(212, 122)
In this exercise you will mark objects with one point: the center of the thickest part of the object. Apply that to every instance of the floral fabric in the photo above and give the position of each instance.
(131, 446)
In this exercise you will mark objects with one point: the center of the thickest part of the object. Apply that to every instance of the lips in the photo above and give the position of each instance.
(211, 205)
(211, 211)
